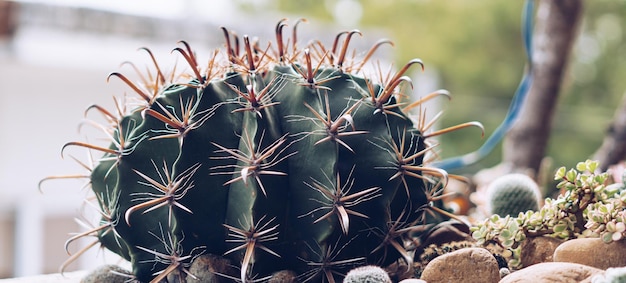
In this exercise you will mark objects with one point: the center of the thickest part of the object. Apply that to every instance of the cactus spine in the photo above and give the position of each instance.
(278, 158)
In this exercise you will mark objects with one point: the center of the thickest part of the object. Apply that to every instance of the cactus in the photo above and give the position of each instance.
(513, 193)
(611, 275)
(275, 156)
(367, 274)
(107, 273)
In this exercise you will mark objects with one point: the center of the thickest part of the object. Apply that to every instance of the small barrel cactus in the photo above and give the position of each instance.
(611, 275)
(274, 156)
(107, 273)
(367, 274)
(513, 193)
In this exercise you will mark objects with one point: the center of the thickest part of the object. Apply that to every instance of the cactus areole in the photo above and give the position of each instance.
(274, 156)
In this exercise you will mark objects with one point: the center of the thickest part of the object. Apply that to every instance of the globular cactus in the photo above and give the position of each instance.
(275, 156)
(611, 275)
(367, 274)
(513, 193)
(107, 273)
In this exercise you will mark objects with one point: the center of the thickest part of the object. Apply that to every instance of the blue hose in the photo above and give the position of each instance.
(514, 109)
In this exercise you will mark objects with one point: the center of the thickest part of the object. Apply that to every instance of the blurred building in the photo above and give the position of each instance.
(54, 60)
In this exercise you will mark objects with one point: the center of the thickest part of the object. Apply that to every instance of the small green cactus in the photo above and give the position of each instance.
(274, 156)
(513, 193)
(367, 274)
(587, 207)
(611, 275)
(108, 273)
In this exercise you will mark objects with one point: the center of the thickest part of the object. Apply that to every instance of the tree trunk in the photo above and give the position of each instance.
(613, 148)
(555, 32)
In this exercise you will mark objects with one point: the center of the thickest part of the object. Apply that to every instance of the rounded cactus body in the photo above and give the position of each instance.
(367, 274)
(513, 193)
(611, 275)
(286, 159)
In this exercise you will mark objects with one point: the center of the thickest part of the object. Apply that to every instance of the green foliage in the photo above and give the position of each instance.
(439, 31)
(587, 207)
(512, 194)
(284, 158)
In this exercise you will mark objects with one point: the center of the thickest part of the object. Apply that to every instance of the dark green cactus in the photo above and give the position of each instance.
(278, 158)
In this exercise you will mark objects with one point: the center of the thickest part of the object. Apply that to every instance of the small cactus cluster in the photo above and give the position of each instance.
(611, 275)
(367, 274)
(513, 193)
(273, 156)
(587, 207)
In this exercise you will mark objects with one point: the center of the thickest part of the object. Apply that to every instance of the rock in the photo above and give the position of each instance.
(504, 272)
(108, 273)
(451, 231)
(284, 276)
(446, 232)
(399, 271)
(176, 276)
(464, 265)
(538, 249)
(205, 268)
(553, 272)
(592, 252)
(413, 281)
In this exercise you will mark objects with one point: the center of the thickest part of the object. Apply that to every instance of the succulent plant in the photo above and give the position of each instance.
(107, 273)
(513, 193)
(611, 275)
(367, 274)
(586, 207)
(274, 156)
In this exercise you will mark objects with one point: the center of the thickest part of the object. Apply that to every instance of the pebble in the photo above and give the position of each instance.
(467, 265)
(592, 252)
(553, 272)
(538, 249)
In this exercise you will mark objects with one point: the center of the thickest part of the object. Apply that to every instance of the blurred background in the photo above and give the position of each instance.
(55, 56)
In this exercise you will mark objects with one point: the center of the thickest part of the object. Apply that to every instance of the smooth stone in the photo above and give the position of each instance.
(554, 272)
(467, 265)
(538, 249)
(592, 252)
